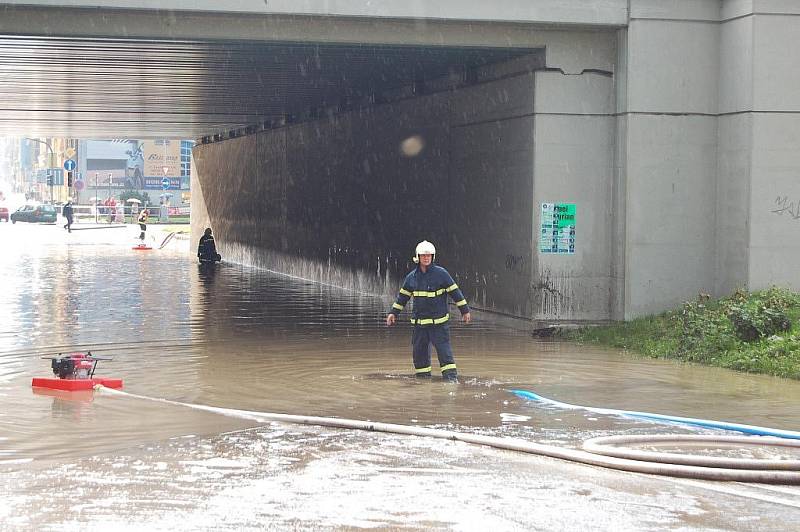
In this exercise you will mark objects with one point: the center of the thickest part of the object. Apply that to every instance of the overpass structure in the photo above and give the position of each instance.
(571, 159)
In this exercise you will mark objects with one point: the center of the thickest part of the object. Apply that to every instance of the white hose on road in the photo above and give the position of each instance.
(702, 468)
(607, 446)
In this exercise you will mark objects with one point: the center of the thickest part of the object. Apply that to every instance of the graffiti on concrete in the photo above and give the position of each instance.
(784, 206)
(553, 294)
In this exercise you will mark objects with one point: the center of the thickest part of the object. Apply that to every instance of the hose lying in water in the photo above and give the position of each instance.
(703, 470)
(707, 423)
(166, 240)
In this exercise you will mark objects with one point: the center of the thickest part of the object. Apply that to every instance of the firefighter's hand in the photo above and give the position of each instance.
(466, 318)
(390, 319)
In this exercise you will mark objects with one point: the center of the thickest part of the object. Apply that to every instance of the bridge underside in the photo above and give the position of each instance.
(117, 88)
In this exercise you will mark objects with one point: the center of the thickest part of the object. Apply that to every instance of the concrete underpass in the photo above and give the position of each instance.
(332, 138)
(443, 151)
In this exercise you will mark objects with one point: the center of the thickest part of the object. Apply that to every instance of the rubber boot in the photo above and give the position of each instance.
(450, 375)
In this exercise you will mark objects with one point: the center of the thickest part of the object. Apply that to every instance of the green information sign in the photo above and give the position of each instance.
(557, 234)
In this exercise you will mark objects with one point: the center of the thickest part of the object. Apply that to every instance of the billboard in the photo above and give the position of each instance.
(162, 158)
(114, 164)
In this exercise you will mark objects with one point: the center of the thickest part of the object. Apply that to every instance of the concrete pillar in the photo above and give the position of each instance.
(199, 218)
(734, 161)
(573, 163)
(774, 204)
(669, 99)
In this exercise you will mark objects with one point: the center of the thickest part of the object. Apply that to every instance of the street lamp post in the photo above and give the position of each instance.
(95, 196)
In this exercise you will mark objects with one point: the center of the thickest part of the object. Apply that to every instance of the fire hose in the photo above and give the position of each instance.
(597, 451)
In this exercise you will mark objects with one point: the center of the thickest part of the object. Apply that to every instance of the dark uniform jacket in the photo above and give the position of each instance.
(429, 290)
(207, 249)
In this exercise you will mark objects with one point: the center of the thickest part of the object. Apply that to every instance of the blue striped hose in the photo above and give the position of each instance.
(737, 427)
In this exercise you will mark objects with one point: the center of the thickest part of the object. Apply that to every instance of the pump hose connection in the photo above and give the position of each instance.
(701, 467)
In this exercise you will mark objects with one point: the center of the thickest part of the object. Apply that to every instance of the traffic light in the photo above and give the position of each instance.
(49, 180)
(69, 179)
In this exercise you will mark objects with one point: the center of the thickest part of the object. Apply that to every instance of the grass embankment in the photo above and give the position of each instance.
(172, 220)
(754, 332)
(176, 228)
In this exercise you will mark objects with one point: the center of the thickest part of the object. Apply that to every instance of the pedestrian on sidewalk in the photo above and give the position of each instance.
(68, 213)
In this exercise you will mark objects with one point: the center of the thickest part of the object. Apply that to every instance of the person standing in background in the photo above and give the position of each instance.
(142, 224)
(68, 213)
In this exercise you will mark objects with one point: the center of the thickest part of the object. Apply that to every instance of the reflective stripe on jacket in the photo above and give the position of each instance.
(429, 290)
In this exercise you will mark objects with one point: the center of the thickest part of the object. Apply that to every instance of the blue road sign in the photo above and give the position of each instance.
(165, 183)
(69, 165)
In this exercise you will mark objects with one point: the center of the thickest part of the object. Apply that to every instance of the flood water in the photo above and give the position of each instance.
(244, 339)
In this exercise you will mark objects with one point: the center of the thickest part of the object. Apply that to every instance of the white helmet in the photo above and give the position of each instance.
(424, 248)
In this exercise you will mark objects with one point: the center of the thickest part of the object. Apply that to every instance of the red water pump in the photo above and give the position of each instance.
(74, 366)
(75, 372)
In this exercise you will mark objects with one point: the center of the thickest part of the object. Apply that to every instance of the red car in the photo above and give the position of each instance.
(4, 213)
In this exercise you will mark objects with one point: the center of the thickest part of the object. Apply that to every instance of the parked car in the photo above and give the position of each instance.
(34, 213)
(4, 213)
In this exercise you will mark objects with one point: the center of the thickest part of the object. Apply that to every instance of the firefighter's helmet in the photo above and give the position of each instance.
(424, 248)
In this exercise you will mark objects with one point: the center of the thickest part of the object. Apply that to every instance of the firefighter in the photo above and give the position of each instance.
(207, 248)
(430, 285)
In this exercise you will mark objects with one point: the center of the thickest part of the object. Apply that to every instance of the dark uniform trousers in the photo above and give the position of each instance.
(430, 290)
(421, 340)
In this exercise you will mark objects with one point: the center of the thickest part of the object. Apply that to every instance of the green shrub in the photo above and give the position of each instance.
(754, 332)
(761, 315)
(752, 322)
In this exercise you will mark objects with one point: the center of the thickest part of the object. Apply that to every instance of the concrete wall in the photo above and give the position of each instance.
(671, 100)
(515, 23)
(677, 137)
(759, 135)
(775, 171)
(490, 168)
(356, 207)
(710, 156)
(598, 12)
(199, 219)
(573, 161)
(734, 161)
(337, 201)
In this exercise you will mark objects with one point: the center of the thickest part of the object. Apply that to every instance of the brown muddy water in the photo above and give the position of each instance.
(238, 338)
